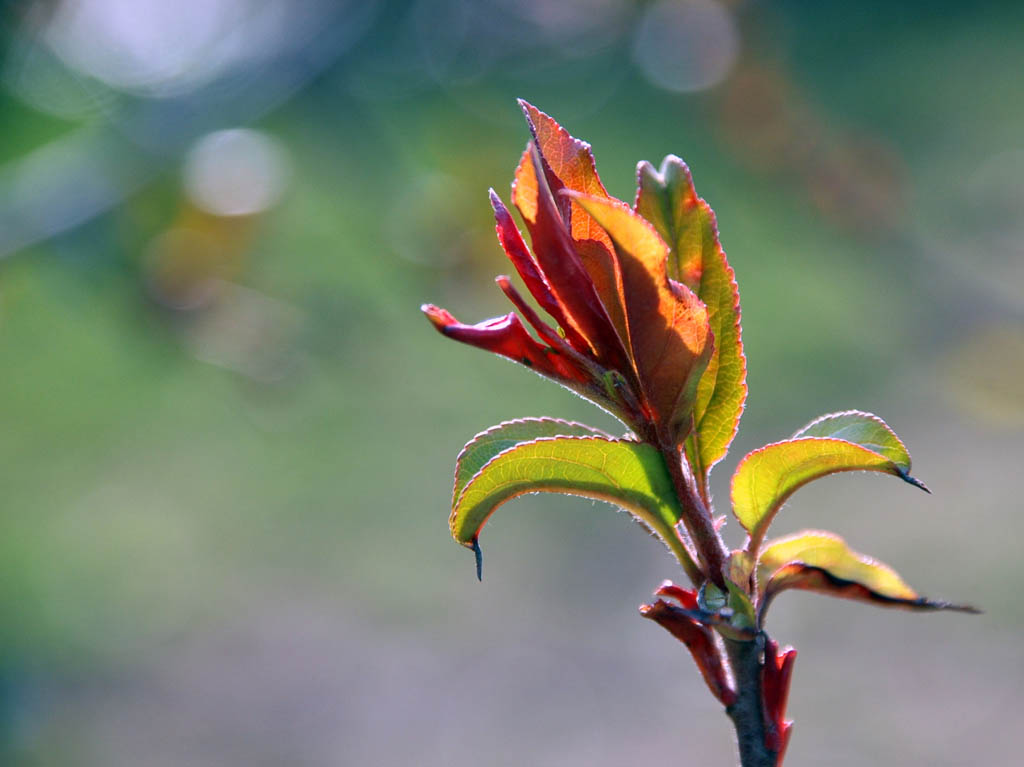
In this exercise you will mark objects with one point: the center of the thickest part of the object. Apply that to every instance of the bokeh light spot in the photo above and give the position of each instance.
(686, 45)
(236, 172)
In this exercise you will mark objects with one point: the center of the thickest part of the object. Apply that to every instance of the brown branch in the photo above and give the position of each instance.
(711, 550)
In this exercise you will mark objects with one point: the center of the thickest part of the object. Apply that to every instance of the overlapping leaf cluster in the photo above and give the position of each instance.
(645, 322)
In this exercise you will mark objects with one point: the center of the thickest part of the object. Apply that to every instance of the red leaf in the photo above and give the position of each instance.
(686, 597)
(505, 336)
(699, 640)
(776, 675)
(517, 252)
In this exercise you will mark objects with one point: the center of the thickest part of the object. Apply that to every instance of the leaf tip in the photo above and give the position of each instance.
(479, 555)
(933, 605)
(905, 476)
(439, 317)
(529, 112)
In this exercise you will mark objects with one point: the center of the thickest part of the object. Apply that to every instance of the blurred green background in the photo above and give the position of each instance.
(228, 433)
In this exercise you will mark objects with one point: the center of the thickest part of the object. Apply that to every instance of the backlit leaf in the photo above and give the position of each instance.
(864, 429)
(569, 164)
(628, 474)
(497, 439)
(668, 200)
(571, 160)
(507, 336)
(567, 277)
(669, 336)
(819, 561)
(513, 245)
(766, 478)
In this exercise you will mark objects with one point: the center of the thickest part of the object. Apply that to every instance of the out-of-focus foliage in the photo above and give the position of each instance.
(212, 372)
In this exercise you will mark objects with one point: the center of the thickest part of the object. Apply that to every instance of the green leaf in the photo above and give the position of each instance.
(730, 612)
(743, 617)
(819, 561)
(497, 439)
(861, 428)
(668, 200)
(621, 472)
(766, 478)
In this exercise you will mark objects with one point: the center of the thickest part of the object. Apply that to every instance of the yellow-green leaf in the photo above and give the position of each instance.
(864, 429)
(497, 439)
(628, 474)
(819, 561)
(766, 478)
(668, 200)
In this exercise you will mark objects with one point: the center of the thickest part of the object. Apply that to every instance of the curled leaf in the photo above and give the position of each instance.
(631, 475)
(698, 640)
(668, 200)
(820, 561)
(866, 430)
(512, 243)
(625, 335)
(670, 340)
(497, 439)
(767, 477)
(507, 336)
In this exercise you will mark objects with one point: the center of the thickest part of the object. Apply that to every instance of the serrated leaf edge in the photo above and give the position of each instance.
(476, 438)
(667, 536)
(754, 542)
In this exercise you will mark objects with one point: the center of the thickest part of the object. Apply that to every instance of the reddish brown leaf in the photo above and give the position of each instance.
(699, 640)
(669, 336)
(517, 252)
(568, 279)
(572, 162)
(776, 676)
(569, 164)
(686, 597)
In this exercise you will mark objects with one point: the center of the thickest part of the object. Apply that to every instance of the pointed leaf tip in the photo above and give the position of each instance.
(631, 475)
(479, 555)
(848, 441)
(815, 560)
(914, 481)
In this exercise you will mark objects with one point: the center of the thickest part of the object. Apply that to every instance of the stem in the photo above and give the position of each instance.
(697, 519)
(746, 658)
(747, 713)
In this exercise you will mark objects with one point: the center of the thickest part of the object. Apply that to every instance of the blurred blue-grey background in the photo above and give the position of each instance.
(228, 434)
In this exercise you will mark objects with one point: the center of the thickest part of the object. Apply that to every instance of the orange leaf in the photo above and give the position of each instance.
(669, 337)
(568, 279)
(569, 164)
